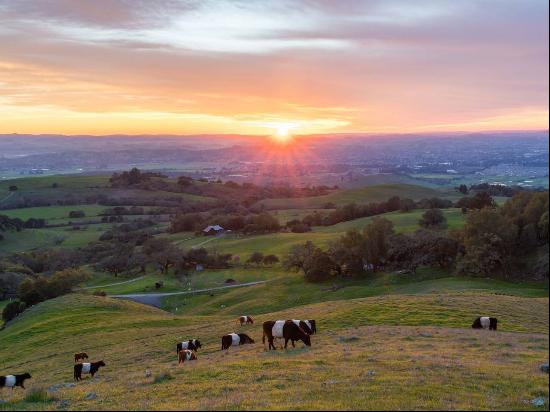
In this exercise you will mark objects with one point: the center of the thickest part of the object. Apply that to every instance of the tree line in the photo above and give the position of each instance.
(494, 242)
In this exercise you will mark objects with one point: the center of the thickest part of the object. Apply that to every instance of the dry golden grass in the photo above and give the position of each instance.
(356, 361)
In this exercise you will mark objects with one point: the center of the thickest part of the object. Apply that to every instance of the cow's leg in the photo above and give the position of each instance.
(286, 342)
(293, 345)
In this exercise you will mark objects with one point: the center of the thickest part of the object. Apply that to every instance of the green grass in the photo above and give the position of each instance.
(391, 352)
(53, 212)
(62, 237)
(280, 243)
(367, 194)
(79, 187)
(290, 290)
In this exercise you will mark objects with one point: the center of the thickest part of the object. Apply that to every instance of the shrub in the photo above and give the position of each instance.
(38, 394)
(12, 310)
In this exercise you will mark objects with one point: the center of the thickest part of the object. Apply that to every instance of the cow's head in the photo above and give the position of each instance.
(26, 376)
(100, 363)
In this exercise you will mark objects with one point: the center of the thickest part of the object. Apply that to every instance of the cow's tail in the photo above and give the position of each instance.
(263, 338)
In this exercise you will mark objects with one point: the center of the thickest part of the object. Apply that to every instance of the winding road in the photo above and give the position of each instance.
(114, 284)
(155, 299)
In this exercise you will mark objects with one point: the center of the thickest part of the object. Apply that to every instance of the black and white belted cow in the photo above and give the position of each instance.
(245, 320)
(485, 322)
(309, 326)
(11, 381)
(235, 339)
(286, 329)
(90, 368)
(193, 344)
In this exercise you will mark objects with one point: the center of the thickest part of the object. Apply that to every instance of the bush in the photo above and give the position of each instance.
(38, 394)
(12, 310)
(75, 214)
(433, 218)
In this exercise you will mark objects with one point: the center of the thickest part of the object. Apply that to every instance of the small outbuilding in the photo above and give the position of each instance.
(213, 230)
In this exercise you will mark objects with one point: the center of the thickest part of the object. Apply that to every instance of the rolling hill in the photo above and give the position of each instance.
(407, 352)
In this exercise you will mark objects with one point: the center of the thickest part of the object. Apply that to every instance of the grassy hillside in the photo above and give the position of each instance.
(41, 189)
(357, 361)
(366, 194)
(280, 243)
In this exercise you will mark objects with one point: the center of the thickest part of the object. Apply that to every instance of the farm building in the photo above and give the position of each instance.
(213, 230)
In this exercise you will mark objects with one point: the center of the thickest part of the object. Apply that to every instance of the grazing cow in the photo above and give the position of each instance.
(245, 319)
(286, 329)
(186, 355)
(11, 381)
(81, 355)
(90, 368)
(193, 344)
(485, 322)
(308, 325)
(158, 285)
(235, 339)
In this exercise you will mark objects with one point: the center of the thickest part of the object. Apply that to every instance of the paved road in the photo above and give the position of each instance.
(154, 299)
(114, 284)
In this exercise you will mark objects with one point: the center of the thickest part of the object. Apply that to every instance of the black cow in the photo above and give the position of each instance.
(90, 368)
(11, 381)
(286, 329)
(193, 344)
(485, 322)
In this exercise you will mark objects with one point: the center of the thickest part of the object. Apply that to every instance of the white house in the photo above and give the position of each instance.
(213, 230)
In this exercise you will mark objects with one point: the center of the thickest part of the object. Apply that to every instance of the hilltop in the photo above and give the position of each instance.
(369, 353)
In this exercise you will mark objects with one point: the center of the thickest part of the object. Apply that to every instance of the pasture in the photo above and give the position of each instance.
(280, 243)
(400, 352)
(367, 194)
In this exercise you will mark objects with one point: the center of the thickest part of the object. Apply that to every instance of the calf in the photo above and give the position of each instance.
(186, 355)
(245, 319)
(235, 339)
(81, 355)
(485, 322)
(193, 344)
(90, 368)
(11, 381)
(286, 329)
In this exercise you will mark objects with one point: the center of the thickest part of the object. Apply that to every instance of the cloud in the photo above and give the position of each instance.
(353, 65)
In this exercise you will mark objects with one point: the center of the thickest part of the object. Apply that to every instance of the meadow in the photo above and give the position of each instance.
(366, 194)
(391, 352)
(385, 341)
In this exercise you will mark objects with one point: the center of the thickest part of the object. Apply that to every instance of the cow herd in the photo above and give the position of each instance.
(289, 330)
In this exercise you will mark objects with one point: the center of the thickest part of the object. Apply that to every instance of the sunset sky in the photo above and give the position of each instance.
(266, 67)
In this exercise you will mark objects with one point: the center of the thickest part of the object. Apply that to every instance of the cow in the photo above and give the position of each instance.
(81, 355)
(245, 319)
(485, 322)
(186, 355)
(90, 368)
(309, 326)
(235, 339)
(11, 381)
(286, 329)
(193, 344)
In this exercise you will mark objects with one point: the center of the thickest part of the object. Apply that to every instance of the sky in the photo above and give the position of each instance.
(272, 67)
